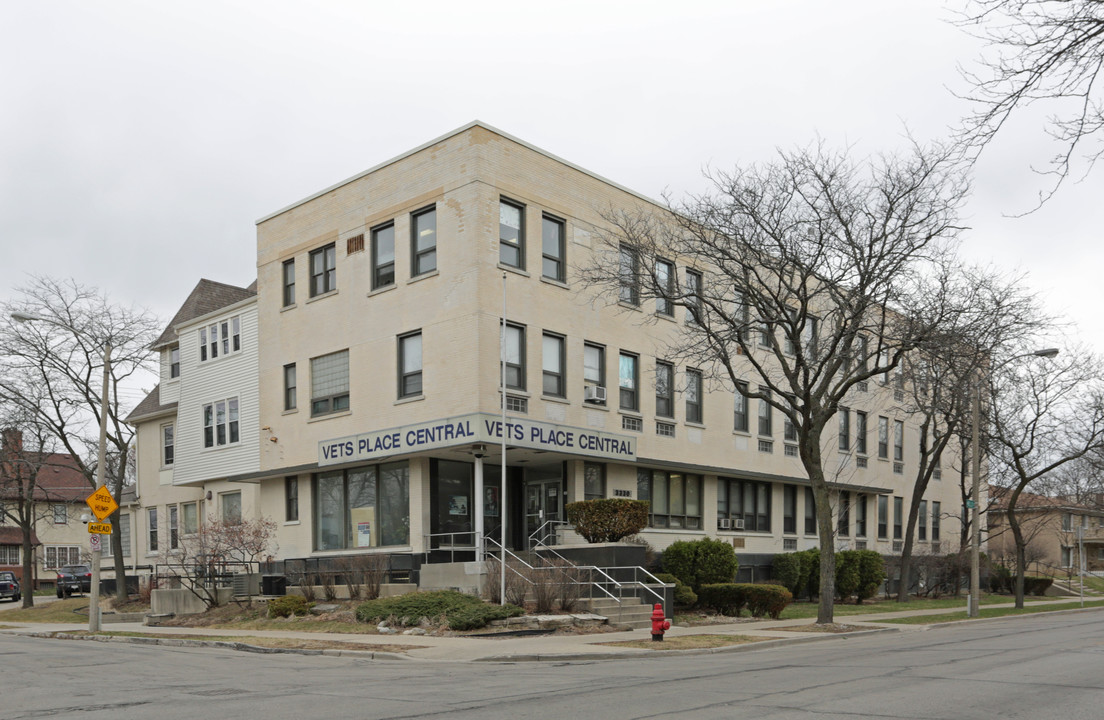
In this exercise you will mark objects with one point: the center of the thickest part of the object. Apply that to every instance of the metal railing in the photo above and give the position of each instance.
(457, 542)
(536, 538)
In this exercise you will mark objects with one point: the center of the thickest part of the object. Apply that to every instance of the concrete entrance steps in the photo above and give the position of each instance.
(629, 612)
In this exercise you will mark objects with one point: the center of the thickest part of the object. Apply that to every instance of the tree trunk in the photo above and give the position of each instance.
(27, 586)
(906, 555)
(116, 540)
(811, 459)
(1021, 555)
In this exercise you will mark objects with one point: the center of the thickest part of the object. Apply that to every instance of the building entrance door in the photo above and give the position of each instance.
(543, 504)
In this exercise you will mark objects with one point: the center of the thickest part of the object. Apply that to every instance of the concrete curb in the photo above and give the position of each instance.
(1004, 617)
(225, 645)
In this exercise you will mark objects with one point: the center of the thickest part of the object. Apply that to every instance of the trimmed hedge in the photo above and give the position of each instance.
(724, 598)
(767, 600)
(859, 573)
(729, 598)
(701, 562)
(684, 596)
(461, 611)
(1035, 585)
(872, 574)
(288, 605)
(608, 519)
(788, 572)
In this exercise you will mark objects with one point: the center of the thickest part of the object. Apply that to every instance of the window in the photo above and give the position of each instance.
(883, 517)
(291, 387)
(675, 498)
(323, 270)
(9, 554)
(174, 362)
(629, 270)
(629, 381)
(665, 286)
(810, 512)
(167, 447)
(423, 240)
(693, 296)
(789, 431)
(765, 333)
(515, 357)
(809, 335)
(898, 440)
(410, 365)
(221, 337)
(742, 316)
(124, 534)
(935, 522)
(922, 521)
(898, 507)
(860, 432)
(883, 438)
(844, 429)
(765, 413)
(1067, 556)
(552, 365)
(863, 344)
(1067, 522)
(511, 234)
(860, 516)
(220, 423)
(330, 383)
(745, 500)
(60, 555)
(190, 513)
(152, 528)
(174, 527)
(740, 422)
(231, 507)
(843, 524)
(383, 256)
(61, 514)
(362, 507)
(594, 481)
(665, 390)
(289, 282)
(594, 366)
(693, 396)
(553, 249)
(789, 509)
(291, 499)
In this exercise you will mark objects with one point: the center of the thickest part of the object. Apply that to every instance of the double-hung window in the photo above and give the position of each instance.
(231, 507)
(898, 440)
(553, 249)
(935, 521)
(675, 498)
(843, 526)
(383, 256)
(220, 423)
(410, 365)
(61, 514)
(330, 383)
(740, 420)
(898, 511)
(665, 287)
(323, 270)
(693, 296)
(174, 362)
(745, 500)
(693, 396)
(174, 527)
(789, 430)
(289, 282)
(291, 499)
(883, 438)
(152, 530)
(860, 432)
(860, 515)
(552, 365)
(629, 273)
(883, 517)
(594, 367)
(629, 381)
(291, 388)
(515, 357)
(190, 516)
(511, 234)
(844, 430)
(742, 315)
(810, 512)
(665, 390)
(168, 447)
(766, 427)
(789, 509)
(922, 521)
(423, 241)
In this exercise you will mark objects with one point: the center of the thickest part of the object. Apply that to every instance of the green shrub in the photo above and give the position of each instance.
(1037, 585)
(684, 596)
(724, 598)
(872, 574)
(810, 571)
(788, 572)
(766, 599)
(701, 562)
(1000, 579)
(847, 574)
(477, 616)
(410, 609)
(288, 605)
(608, 519)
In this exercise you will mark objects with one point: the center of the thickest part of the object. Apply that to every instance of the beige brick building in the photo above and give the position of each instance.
(375, 402)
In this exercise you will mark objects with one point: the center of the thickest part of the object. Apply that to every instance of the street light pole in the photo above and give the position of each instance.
(94, 591)
(974, 609)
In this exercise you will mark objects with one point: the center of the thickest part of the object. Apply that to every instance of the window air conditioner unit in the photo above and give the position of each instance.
(738, 524)
(724, 524)
(594, 393)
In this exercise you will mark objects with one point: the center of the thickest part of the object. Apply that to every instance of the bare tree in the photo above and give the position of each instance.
(1042, 415)
(994, 312)
(219, 548)
(818, 272)
(1046, 52)
(54, 368)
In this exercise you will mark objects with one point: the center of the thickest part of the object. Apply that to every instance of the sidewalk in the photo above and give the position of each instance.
(530, 648)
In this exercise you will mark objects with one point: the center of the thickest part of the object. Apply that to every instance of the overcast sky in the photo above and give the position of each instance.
(140, 141)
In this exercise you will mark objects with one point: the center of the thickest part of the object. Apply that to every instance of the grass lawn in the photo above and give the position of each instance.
(270, 642)
(992, 612)
(59, 611)
(809, 610)
(688, 642)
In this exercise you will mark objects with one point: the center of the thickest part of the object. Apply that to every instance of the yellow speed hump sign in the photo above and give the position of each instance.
(102, 503)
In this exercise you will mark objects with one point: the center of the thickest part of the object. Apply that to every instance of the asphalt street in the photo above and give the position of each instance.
(1027, 667)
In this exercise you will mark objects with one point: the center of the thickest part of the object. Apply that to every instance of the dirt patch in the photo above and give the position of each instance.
(271, 642)
(825, 628)
(701, 619)
(689, 642)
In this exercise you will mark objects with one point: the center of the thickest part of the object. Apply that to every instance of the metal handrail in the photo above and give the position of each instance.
(592, 583)
(452, 546)
(535, 535)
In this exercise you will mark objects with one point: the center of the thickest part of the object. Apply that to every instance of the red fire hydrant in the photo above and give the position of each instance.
(659, 623)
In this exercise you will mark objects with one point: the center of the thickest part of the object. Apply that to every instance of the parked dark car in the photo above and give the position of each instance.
(9, 586)
(74, 578)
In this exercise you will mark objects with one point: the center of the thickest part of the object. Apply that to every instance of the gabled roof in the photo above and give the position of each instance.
(10, 535)
(207, 297)
(150, 406)
(58, 478)
(1035, 502)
